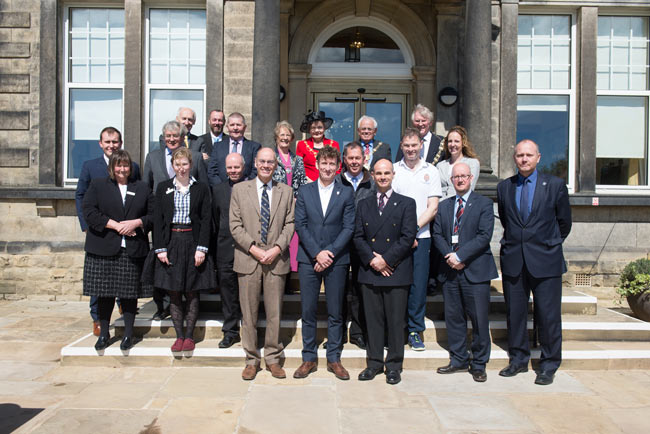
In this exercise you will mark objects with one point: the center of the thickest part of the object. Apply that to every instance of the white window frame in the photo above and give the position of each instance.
(629, 189)
(157, 86)
(571, 92)
(68, 86)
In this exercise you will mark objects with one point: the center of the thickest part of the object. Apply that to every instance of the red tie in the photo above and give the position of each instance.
(459, 214)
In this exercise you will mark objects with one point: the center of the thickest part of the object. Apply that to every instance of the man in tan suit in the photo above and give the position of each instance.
(262, 224)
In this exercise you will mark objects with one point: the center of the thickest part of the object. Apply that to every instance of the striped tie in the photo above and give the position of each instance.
(459, 214)
(265, 212)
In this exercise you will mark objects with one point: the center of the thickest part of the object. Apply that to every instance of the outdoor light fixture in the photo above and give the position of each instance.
(283, 93)
(353, 50)
(448, 96)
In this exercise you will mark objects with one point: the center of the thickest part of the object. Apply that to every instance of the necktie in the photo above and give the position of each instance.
(234, 146)
(381, 204)
(355, 182)
(265, 213)
(170, 168)
(523, 205)
(366, 153)
(459, 214)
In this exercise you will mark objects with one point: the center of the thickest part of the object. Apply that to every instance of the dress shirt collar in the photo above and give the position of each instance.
(465, 196)
(259, 183)
(216, 139)
(105, 159)
(532, 177)
(388, 194)
(322, 187)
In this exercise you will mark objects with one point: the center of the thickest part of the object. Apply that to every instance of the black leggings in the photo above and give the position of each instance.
(105, 307)
(176, 310)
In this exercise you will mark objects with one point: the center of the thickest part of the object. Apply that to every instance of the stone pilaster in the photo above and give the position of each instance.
(133, 37)
(214, 56)
(508, 87)
(588, 30)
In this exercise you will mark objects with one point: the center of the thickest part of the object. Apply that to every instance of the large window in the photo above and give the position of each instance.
(545, 88)
(176, 48)
(622, 128)
(94, 77)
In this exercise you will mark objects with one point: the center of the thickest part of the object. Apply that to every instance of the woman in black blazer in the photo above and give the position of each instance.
(119, 216)
(181, 236)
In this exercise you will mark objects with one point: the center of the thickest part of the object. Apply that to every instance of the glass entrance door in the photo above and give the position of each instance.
(388, 109)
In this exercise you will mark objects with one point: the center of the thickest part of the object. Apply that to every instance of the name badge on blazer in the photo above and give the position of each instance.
(131, 193)
(169, 190)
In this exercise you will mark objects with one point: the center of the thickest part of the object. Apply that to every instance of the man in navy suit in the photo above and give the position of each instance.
(206, 142)
(536, 218)
(373, 150)
(110, 140)
(325, 224)
(385, 228)
(462, 232)
(236, 143)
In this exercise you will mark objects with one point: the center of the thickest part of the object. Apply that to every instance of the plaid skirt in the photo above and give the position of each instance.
(182, 275)
(114, 276)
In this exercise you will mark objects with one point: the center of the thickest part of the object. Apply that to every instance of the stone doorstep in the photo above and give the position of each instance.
(156, 352)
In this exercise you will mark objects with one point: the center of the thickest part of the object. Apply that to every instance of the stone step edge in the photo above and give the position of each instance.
(429, 324)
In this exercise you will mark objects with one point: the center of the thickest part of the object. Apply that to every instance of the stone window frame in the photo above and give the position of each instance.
(571, 92)
(628, 189)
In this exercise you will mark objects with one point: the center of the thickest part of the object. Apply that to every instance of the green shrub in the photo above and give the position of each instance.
(635, 278)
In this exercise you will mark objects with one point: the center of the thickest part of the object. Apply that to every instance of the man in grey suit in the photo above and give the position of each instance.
(462, 232)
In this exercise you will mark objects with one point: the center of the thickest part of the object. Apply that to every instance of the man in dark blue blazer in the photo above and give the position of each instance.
(206, 142)
(110, 140)
(236, 143)
(462, 232)
(325, 224)
(385, 228)
(536, 218)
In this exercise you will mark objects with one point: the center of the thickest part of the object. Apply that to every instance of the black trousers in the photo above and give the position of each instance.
(161, 299)
(353, 303)
(385, 309)
(230, 308)
(466, 299)
(547, 302)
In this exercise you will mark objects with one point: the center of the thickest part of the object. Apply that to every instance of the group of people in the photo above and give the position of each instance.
(371, 231)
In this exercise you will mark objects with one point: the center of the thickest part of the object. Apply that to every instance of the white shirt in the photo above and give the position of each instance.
(123, 189)
(216, 139)
(269, 191)
(325, 194)
(419, 184)
(426, 141)
(105, 159)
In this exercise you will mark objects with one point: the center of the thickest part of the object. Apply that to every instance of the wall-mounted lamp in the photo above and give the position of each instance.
(283, 93)
(448, 96)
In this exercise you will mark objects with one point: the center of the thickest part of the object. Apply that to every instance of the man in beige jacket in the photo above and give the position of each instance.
(262, 224)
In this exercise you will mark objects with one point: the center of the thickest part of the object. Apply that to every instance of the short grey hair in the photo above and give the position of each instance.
(424, 111)
(174, 126)
(237, 115)
(367, 118)
(180, 109)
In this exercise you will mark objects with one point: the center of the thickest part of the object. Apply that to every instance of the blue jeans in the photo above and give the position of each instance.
(418, 291)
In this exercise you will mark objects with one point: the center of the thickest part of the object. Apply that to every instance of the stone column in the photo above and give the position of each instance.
(47, 135)
(476, 94)
(266, 70)
(508, 87)
(297, 94)
(586, 167)
(448, 51)
(214, 56)
(133, 39)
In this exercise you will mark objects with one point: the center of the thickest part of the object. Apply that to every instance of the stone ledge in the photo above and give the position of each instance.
(14, 83)
(14, 49)
(19, 247)
(37, 193)
(14, 19)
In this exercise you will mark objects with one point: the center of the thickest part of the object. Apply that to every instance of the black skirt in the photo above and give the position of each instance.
(114, 276)
(182, 275)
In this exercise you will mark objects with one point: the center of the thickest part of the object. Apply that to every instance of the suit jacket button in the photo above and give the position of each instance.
(373, 240)
(366, 224)
(394, 224)
(388, 240)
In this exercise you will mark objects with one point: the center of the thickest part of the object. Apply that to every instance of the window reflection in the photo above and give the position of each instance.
(377, 47)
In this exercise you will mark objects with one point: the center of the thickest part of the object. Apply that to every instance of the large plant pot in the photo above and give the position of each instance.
(640, 305)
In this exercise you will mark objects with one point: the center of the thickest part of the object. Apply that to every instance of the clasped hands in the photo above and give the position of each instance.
(199, 257)
(379, 265)
(265, 257)
(453, 262)
(125, 227)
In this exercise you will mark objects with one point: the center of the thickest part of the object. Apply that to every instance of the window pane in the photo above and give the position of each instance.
(176, 40)
(389, 119)
(622, 53)
(621, 140)
(164, 106)
(90, 111)
(342, 130)
(375, 47)
(544, 52)
(96, 38)
(545, 120)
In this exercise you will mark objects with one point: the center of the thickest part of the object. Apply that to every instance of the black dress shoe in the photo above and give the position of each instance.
(102, 343)
(161, 314)
(369, 374)
(478, 375)
(450, 369)
(228, 341)
(393, 377)
(359, 342)
(511, 370)
(126, 343)
(544, 378)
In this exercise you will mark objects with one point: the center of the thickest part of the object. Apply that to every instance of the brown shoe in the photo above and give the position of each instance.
(96, 328)
(339, 371)
(276, 370)
(305, 369)
(250, 372)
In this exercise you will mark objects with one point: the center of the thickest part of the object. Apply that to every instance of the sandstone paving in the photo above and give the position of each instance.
(113, 395)
(476, 413)
(21, 371)
(630, 421)
(205, 382)
(100, 421)
(389, 420)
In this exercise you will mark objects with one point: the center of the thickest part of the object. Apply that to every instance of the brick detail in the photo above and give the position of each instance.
(14, 83)
(14, 157)
(14, 120)
(14, 19)
(14, 49)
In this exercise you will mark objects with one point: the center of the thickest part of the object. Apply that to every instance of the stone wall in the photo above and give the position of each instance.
(19, 92)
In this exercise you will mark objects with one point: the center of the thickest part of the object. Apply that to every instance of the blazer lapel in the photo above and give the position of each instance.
(315, 198)
(540, 194)
(512, 186)
(389, 208)
(275, 201)
(163, 161)
(468, 210)
(449, 211)
(130, 196)
(252, 196)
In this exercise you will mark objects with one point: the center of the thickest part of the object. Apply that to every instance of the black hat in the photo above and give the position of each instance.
(313, 117)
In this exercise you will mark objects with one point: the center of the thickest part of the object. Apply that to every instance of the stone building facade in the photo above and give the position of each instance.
(569, 73)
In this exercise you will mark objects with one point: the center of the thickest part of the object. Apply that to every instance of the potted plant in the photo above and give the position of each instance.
(634, 285)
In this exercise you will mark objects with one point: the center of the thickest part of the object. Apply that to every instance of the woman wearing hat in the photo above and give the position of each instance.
(315, 123)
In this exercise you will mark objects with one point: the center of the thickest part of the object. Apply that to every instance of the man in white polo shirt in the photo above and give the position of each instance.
(417, 179)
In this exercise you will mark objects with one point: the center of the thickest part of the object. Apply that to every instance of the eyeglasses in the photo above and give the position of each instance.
(459, 177)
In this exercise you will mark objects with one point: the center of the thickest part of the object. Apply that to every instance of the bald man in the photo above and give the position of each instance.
(536, 218)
